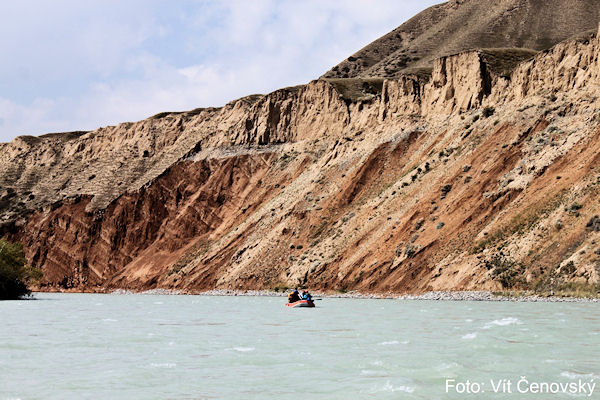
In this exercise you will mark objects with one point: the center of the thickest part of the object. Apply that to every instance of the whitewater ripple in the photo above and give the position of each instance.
(393, 342)
(574, 375)
(163, 365)
(242, 349)
(388, 387)
(503, 322)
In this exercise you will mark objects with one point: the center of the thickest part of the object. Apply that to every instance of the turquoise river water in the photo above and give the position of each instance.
(93, 346)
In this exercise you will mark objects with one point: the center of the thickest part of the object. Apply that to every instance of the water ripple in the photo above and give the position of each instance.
(503, 322)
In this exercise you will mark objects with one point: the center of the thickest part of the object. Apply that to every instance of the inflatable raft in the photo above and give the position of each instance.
(301, 303)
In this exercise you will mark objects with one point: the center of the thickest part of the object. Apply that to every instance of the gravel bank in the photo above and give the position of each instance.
(443, 296)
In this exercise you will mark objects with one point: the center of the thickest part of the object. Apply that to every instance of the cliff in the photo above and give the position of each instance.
(482, 175)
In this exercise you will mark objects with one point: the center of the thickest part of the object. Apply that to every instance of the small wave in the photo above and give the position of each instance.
(163, 365)
(303, 353)
(109, 320)
(470, 336)
(393, 342)
(502, 322)
(243, 349)
(468, 320)
(388, 387)
(368, 372)
(376, 363)
(574, 375)
(445, 366)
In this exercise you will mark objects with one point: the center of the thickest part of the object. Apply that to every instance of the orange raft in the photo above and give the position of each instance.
(301, 303)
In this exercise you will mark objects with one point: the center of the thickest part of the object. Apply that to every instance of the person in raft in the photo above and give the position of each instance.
(306, 295)
(294, 296)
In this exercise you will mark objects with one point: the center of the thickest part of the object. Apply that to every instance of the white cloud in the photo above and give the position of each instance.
(79, 65)
(27, 118)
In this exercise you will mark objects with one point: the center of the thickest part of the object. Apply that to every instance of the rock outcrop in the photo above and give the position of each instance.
(482, 176)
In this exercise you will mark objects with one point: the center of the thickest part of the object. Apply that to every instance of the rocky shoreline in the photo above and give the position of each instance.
(435, 296)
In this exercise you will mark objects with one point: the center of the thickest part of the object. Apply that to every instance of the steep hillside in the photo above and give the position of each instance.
(454, 169)
(460, 25)
(484, 176)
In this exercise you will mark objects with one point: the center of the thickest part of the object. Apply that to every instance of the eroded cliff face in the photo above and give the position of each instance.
(150, 227)
(483, 176)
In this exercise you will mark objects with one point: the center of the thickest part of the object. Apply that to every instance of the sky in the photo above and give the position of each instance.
(79, 65)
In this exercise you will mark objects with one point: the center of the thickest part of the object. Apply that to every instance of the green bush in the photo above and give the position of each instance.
(488, 112)
(505, 270)
(15, 274)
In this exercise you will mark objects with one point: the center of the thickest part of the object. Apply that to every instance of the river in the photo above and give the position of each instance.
(95, 346)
